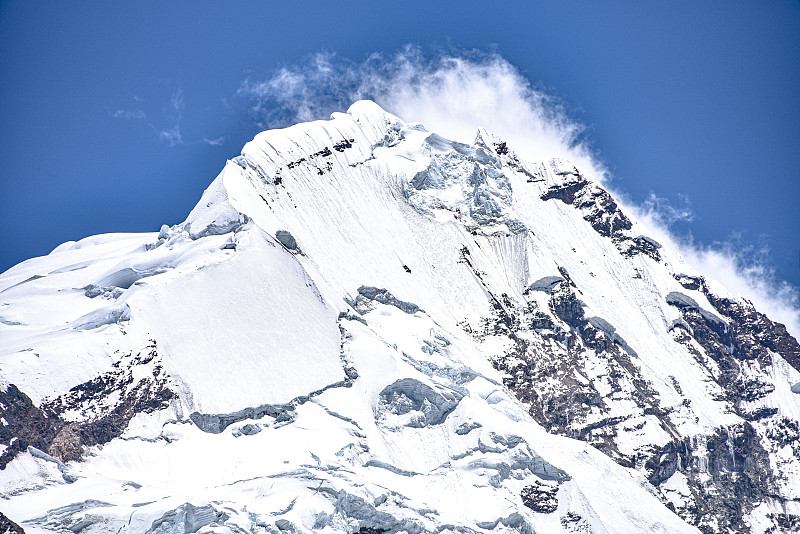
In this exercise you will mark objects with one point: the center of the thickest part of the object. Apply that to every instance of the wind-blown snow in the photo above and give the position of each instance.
(456, 93)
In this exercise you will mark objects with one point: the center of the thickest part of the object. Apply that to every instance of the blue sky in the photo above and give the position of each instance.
(115, 118)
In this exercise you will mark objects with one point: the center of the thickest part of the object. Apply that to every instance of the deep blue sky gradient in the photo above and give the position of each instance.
(694, 98)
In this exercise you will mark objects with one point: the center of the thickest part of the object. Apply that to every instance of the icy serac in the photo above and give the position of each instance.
(366, 327)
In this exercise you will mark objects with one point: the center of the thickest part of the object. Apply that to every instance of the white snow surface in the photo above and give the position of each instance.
(242, 318)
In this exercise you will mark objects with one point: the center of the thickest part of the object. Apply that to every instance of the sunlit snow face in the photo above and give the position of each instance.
(456, 94)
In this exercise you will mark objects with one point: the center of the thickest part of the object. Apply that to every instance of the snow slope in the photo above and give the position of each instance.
(365, 327)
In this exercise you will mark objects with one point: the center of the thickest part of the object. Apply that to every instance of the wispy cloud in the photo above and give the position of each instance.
(665, 212)
(218, 141)
(177, 101)
(172, 136)
(130, 114)
(172, 116)
(453, 94)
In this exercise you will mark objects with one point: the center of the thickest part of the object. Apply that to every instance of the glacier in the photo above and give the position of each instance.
(365, 327)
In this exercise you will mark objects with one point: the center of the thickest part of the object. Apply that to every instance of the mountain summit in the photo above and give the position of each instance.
(365, 327)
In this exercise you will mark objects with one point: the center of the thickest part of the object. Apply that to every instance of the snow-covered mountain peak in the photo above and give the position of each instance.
(363, 326)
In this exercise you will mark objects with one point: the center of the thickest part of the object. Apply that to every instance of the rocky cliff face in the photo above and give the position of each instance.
(366, 327)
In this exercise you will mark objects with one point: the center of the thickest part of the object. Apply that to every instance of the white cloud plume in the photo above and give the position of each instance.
(451, 94)
(457, 93)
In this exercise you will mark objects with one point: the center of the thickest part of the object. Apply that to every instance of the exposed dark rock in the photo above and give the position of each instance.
(751, 331)
(7, 526)
(27, 424)
(610, 332)
(760, 413)
(541, 321)
(666, 460)
(542, 373)
(343, 145)
(640, 245)
(783, 432)
(745, 343)
(573, 521)
(739, 469)
(325, 152)
(715, 341)
(785, 522)
(740, 335)
(566, 193)
(540, 497)
(566, 276)
(598, 207)
(566, 306)
(543, 368)
(601, 211)
(741, 475)
(98, 422)
(604, 215)
(295, 163)
(740, 341)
